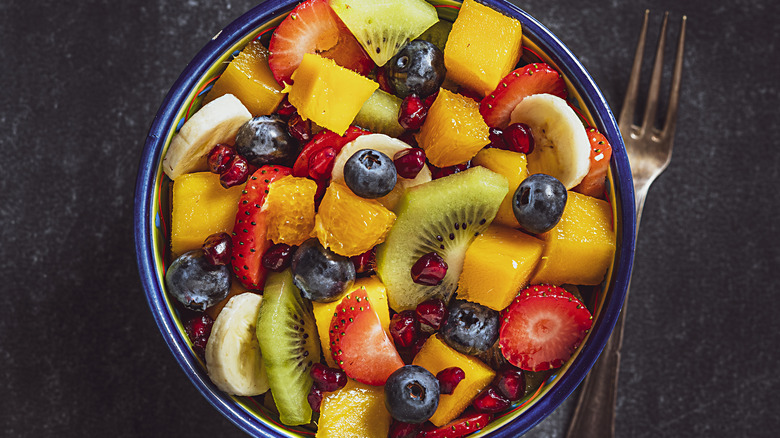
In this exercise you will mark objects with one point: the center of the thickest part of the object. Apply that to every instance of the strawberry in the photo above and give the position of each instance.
(249, 242)
(469, 422)
(537, 78)
(542, 327)
(359, 343)
(323, 139)
(600, 153)
(313, 27)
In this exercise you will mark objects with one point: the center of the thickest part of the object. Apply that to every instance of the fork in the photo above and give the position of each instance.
(649, 152)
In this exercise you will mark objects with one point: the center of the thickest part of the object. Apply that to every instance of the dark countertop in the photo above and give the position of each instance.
(80, 354)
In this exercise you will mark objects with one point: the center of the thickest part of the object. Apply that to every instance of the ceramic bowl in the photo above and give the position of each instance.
(152, 216)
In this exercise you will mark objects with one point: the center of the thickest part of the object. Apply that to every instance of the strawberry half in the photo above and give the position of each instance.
(359, 343)
(249, 241)
(323, 139)
(542, 327)
(600, 153)
(469, 422)
(313, 27)
(496, 108)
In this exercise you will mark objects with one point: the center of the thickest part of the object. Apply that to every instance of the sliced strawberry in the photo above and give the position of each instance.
(542, 327)
(249, 242)
(359, 343)
(538, 78)
(313, 27)
(600, 153)
(323, 139)
(469, 422)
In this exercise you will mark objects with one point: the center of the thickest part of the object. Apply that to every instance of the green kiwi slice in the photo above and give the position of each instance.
(379, 114)
(383, 27)
(288, 340)
(444, 216)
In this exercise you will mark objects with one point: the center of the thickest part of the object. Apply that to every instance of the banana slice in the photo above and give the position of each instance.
(388, 146)
(233, 357)
(561, 146)
(217, 122)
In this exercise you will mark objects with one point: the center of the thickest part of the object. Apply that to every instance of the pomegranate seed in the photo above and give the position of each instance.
(490, 401)
(429, 270)
(496, 138)
(218, 248)
(198, 329)
(432, 313)
(278, 257)
(399, 429)
(404, 328)
(326, 378)
(518, 138)
(430, 99)
(322, 186)
(449, 378)
(364, 263)
(418, 344)
(298, 128)
(440, 172)
(236, 174)
(285, 108)
(321, 163)
(409, 162)
(219, 158)
(510, 382)
(413, 113)
(408, 138)
(315, 398)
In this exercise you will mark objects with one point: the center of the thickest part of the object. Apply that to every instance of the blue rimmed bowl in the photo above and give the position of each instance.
(152, 215)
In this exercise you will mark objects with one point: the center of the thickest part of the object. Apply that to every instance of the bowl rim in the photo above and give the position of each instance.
(270, 9)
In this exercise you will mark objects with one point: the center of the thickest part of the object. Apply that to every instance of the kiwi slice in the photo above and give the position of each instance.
(437, 34)
(288, 339)
(444, 216)
(379, 114)
(383, 27)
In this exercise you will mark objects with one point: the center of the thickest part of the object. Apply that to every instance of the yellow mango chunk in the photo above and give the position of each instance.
(200, 207)
(497, 264)
(454, 130)
(355, 411)
(290, 206)
(435, 356)
(580, 249)
(249, 78)
(514, 166)
(323, 312)
(483, 47)
(328, 94)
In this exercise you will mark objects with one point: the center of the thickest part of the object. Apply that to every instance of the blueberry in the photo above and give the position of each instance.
(418, 68)
(411, 394)
(538, 203)
(321, 274)
(265, 140)
(470, 327)
(370, 174)
(195, 282)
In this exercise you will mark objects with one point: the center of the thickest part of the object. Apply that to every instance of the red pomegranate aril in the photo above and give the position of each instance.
(364, 263)
(510, 382)
(299, 129)
(409, 162)
(449, 378)
(518, 138)
(495, 135)
(326, 378)
(278, 257)
(404, 328)
(409, 138)
(429, 270)
(219, 158)
(198, 329)
(236, 174)
(218, 248)
(314, 398)
(490, 401)
(432, 313)
(418, 344)
(399, 429)
(285, 108)
(430, 99)
(440, 172)
(321, 163)
(412, 113)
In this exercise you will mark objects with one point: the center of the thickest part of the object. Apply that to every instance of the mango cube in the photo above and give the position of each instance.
(514, 166)
(498, 263)
(435, 356)
(201, 207)
(355, 411)
(580, 249)
(483, 47)
(328, 94)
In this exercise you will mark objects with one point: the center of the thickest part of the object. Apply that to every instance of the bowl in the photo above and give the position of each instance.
(151, 216)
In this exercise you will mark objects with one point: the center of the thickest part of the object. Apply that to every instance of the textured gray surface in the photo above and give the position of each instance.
(80, 354)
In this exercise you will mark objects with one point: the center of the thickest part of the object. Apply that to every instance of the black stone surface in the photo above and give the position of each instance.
(80, 354)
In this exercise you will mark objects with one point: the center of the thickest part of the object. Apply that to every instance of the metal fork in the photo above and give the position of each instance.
(649, 152)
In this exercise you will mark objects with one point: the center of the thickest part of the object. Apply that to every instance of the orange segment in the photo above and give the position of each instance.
(290, 206)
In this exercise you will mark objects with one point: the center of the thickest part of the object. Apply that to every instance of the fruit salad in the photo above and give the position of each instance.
(384, 224)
